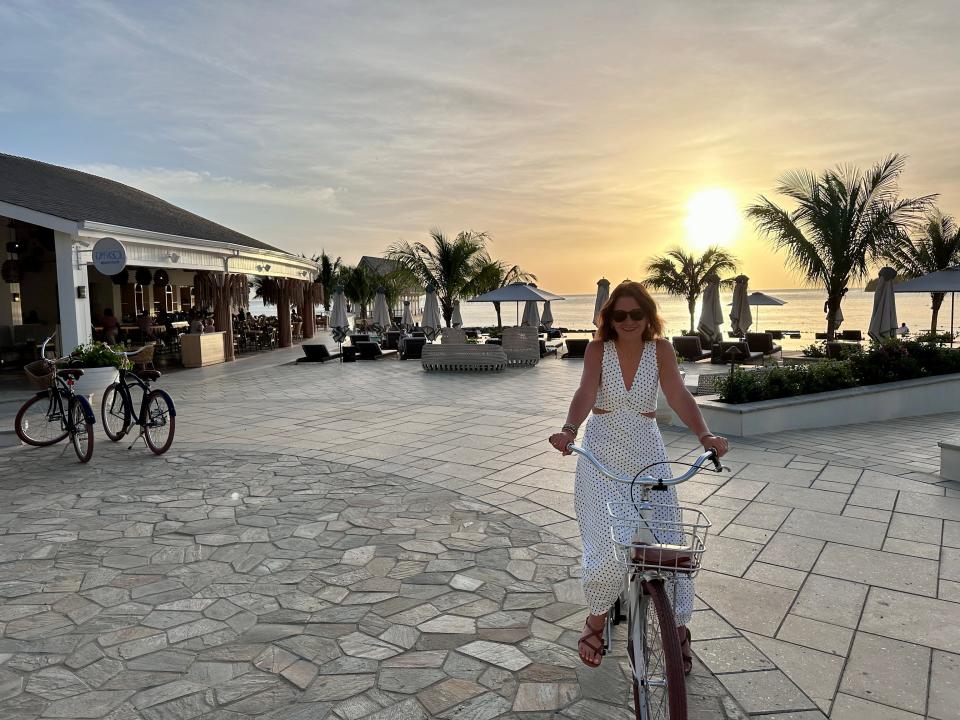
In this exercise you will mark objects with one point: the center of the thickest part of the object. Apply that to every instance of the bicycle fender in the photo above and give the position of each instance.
(87, 410)
(164, 395)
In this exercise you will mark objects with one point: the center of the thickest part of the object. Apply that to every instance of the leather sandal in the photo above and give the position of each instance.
(683, 633)
(593, 634)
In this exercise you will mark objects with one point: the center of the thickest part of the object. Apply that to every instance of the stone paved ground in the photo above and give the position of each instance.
(832, 586)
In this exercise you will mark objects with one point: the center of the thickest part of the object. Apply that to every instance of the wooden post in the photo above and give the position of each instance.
(307, 313)
(283, 315)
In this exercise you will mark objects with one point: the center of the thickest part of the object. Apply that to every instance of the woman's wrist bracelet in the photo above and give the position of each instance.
(570, 428)
(706, 434)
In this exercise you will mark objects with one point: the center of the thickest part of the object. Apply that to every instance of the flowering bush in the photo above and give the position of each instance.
(96, 355)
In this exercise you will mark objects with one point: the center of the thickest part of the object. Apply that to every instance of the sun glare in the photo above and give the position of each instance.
(712, 219)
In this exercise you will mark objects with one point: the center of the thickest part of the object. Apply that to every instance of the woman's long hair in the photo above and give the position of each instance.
(638, 292)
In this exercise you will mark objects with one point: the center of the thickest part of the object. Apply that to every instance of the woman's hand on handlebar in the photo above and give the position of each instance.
(716, 442)
(561, 439)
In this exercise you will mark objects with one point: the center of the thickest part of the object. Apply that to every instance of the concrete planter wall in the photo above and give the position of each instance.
(906, 398)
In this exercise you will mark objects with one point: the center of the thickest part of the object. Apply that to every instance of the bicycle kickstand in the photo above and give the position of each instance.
(130, 446)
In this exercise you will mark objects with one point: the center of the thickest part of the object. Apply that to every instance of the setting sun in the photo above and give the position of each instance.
(712, 219)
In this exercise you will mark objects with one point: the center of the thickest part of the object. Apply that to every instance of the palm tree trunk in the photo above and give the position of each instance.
(496, 306)
(833, 304)
(446, 307)
(692, 307)
(937, 301)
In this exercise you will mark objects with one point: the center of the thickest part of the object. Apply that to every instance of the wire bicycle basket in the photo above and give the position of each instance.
(668, 546)
(40, 373)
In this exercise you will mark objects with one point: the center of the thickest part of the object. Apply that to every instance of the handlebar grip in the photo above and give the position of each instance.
(715, 459)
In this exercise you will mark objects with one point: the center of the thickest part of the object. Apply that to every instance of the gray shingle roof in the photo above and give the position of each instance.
(78, 196)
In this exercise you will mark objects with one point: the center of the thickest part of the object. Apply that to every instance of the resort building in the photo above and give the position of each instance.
(173, 261)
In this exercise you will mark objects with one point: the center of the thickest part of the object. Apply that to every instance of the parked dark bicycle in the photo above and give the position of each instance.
(56, 411)
(156, 415)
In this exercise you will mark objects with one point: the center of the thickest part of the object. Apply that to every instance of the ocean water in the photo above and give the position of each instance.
(803, 312)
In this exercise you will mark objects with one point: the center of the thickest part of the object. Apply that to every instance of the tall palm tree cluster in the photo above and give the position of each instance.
(454, 267)
(686, 275)
(845, 220)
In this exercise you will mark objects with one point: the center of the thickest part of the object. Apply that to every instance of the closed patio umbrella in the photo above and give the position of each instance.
(711, 314)
(740, 316)
(339, 324)
(603, 294)
(431, 321)
(531, 315)
(381, 313)
(407, 319)
(457, 319)
(547, 318)
(883, 319)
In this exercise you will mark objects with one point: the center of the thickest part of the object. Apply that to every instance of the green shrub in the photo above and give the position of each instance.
(96, 355)
(885, 362)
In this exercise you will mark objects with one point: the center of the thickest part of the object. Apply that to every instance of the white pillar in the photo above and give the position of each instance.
(74, 311)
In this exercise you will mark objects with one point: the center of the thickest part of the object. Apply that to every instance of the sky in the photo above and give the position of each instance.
(578, 135)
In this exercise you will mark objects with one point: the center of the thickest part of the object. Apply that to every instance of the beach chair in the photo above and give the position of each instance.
(706, 384)
(453, 336)
(317, 353)
(576, 347)
(412, 347)
(143, 358)
(463, 358)
(746, 356)
(763, 342)
(371, 351)
(851, 336)
(358, 338)
(550, 349)
(688, 347)
(522, 345)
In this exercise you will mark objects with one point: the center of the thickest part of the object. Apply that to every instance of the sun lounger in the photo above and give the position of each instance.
(745, 357)
(688, 347)
(464, 358)
(371, 351)
(412, 347)
(391, 339)
(851, 336)
(551, 349)
(522, 345)
(576, 347)
(354, 339)
(317, 353)
(764, 343)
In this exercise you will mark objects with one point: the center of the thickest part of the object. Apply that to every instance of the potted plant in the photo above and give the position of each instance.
(100, 366)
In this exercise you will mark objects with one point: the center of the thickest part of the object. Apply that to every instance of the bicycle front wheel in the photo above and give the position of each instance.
(159, 422)
(659, 688)
(81, 428)
(39, 423)
(114, 413)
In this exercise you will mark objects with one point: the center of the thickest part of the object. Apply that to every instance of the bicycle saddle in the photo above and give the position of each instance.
(70, 372)
(148, 375)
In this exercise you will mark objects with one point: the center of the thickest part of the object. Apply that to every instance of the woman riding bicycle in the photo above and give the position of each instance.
(622, 432)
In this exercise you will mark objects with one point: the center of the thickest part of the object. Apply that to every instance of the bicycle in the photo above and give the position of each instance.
(656, 552)
(56, 411)
(157, 414)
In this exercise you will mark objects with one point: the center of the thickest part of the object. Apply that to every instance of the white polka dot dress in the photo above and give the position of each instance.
(625, 441)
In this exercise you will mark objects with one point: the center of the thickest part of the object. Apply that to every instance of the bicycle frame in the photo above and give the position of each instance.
(124, 385)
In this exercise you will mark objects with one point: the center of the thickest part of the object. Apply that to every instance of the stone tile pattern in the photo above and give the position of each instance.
(244, 585)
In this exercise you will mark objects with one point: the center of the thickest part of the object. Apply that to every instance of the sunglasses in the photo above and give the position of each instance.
(620, 315)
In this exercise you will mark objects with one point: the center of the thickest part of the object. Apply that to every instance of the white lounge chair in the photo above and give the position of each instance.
(463, 358)
(522, 345)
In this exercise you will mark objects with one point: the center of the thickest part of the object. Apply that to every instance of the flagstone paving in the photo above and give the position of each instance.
(835, 553)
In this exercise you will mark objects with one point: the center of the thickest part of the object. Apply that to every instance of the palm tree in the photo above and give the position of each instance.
(937, 247)
(678, 273)
(450, 266)
(328, 272)
(843, 220)
(359, 285)
(266, 289)
(494, 274)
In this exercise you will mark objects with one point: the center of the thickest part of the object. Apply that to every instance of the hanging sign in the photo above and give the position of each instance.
(109, 256)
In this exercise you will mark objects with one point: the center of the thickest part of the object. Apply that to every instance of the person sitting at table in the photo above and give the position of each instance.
(240, 316)
(903, 330)
(111, 326)
(196, 324)
(208, 326)
(145, 323)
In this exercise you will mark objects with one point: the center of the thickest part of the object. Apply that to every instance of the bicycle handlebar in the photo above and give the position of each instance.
(710, 455)
(43, 348)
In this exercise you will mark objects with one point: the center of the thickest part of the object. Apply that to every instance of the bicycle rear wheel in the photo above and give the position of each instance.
(38, 421)
(659, 688)
(81, 430)
(159, 422)
(114, 413)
